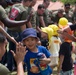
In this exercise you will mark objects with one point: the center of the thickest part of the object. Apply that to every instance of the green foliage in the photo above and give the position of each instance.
(53, 0)
(68, 1)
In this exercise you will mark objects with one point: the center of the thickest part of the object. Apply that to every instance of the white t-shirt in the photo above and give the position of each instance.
(54, 45)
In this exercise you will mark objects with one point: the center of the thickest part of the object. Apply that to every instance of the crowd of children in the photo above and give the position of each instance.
(46, 40)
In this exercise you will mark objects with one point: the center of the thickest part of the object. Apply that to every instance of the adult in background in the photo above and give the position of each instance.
(19, 56)
(40, 23)
(74, 14)
(68, 12)
(47, 15)
(33, 18)
(9, 23)
(57, 15)
(17, 12)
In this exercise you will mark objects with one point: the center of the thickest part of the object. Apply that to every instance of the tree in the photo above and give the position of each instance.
(68, 1)
(53, 0)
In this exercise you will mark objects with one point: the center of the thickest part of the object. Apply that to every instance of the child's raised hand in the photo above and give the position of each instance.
(60, 31)
(20, 53)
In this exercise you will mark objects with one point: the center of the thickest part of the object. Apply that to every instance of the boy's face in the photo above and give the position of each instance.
(3, 48)
(30, 42)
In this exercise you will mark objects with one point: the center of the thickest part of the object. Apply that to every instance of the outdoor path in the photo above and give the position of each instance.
(52, 6)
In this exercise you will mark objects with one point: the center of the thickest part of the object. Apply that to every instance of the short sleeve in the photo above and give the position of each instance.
(63, 49)
(24, 15)
(45, 51)
(2, 13)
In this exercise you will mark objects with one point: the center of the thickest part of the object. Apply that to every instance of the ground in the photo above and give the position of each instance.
(53, 5)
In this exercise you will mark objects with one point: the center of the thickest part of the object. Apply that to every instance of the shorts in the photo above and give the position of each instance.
(54, 61)
(70, 72)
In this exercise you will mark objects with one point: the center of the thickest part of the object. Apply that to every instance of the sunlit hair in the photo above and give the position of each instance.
(40, 6)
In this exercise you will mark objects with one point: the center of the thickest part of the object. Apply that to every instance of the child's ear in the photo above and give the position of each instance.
(39, 43)
(37, 39)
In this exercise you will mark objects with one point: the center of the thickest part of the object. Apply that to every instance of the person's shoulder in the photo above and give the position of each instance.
(54, 13)
(17, 5)
(46, 11)
(1, 8)
(20, 6)
(64, 44)
(71, 12)
(41, 47)
(2, 11)
(33, 9)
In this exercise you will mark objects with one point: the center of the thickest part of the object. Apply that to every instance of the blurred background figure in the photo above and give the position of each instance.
(74, 14)
(57, 15)
(68, 12)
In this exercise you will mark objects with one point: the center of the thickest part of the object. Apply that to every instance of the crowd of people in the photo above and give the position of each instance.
(27, 33)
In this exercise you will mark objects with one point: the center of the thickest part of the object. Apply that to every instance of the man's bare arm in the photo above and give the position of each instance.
(10, 23)
(7, 35)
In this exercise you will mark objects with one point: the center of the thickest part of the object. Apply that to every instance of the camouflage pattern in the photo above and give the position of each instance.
(69, 15)
(7, 9)
(47, 17)
(2, 13)
(74, 17)
(33, 18)
(22, 15)
(38, 20)
(23, 12)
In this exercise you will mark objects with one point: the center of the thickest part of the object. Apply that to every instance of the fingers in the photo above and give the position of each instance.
(21, 48)
(20, 52)
(14, 41)
(17, 47)
(60, 31)
(13, 53)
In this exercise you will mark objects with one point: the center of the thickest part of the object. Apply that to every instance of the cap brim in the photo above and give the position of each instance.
(60, 26)
(30, 36)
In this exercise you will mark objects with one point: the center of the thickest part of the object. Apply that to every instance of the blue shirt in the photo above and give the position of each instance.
(30, 57)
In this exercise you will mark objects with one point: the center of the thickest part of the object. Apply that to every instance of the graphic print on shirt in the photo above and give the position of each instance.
(34, 68)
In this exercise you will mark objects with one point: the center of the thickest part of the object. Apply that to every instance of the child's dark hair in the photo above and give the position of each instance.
(40, 6)
(2, 38)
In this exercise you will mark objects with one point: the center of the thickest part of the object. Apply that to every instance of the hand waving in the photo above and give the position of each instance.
(20, 53)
